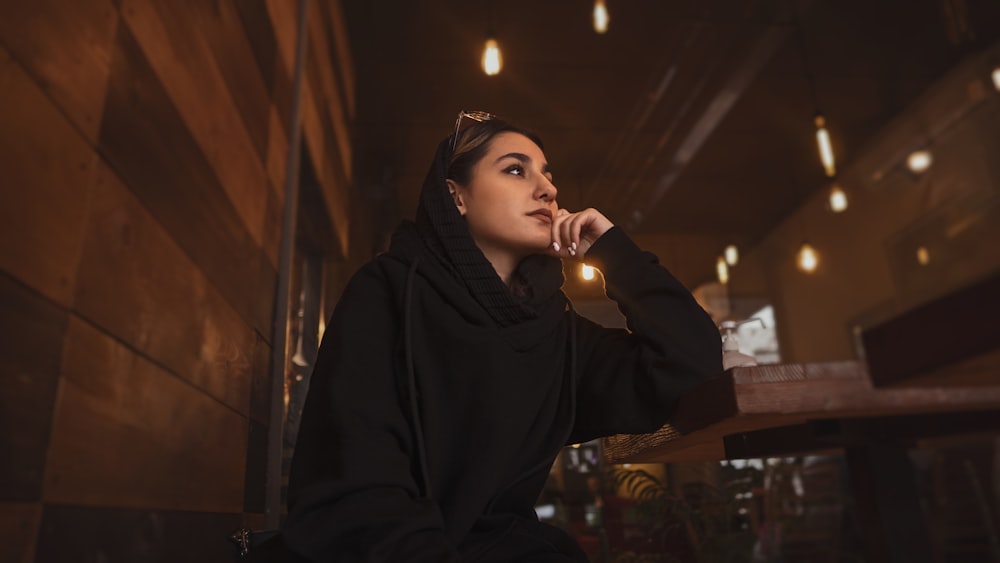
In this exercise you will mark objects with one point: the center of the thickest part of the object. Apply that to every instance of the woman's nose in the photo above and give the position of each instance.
(546, 190)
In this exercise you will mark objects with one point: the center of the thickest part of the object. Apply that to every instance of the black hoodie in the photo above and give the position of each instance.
(440, 400)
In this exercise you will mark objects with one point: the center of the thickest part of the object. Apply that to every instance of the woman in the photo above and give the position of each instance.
(454, 369)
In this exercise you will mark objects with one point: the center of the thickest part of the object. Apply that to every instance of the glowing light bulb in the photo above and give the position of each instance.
(919, 161)
(807, 259)
(492, 59)
(996, 77)
(732, 255)
(722, 270)
(825, 148)
(923, 257)
(601, 17)
(587, 272)
(838, 199)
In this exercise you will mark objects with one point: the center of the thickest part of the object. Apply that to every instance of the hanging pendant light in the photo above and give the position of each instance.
(923, 257)
(825, 148)
(732, 255)
(919, 161)
(807, 258)
(722, 270)
(601, 17)
(837, 200)
(492, 59)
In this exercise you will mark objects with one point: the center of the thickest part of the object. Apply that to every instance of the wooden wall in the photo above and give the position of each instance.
(143, 151)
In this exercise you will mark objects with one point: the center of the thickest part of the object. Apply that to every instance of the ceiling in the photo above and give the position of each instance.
(688, 117)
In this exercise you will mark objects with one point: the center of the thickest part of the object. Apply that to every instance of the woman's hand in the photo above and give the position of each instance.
(574, 233)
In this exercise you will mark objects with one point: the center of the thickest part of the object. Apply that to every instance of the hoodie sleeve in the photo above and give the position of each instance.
(352, 494)
(630, 381)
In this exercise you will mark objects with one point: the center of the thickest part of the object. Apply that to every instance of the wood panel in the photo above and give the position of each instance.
(322, 149)
(128, 433)
(324, 82)
(19, 522)
(115, 535)
(342, 51)
(183, 61)
(257, 23)
(66, 47)
(945, 332)
(48, 171)
(31, 336)
(139, 286)
(146, 142)
(277, 158)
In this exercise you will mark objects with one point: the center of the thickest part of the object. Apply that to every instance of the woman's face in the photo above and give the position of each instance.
(510, 200)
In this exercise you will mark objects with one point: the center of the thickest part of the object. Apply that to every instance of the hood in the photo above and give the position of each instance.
(446, 237)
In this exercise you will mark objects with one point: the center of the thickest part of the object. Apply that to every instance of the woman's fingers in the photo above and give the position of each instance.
(574, 233)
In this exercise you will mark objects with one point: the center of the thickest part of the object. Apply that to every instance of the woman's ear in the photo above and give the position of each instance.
(456, 195)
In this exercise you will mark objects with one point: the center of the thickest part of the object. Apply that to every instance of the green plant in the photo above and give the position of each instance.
(711, 519)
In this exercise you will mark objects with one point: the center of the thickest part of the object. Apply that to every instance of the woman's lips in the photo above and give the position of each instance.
(544, 214)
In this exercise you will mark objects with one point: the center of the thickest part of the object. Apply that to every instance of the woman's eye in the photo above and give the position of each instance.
(515, 169)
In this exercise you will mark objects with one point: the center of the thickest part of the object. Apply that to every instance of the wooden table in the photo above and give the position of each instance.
(787, 409)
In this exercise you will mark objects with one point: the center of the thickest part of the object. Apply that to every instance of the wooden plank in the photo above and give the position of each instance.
(145, 141)
(138, 285)
(221, 25)
(117, 535)
(66, 48)
(48, 172)
(321, 150)
(948, 330)
(183, 61)
(326, 90)
(128, 433)
(342, 51)
(19, 523)
(257, 23)
(277, 157)
(31, 339)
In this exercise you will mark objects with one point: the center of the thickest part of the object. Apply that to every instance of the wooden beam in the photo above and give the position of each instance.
(949, 330)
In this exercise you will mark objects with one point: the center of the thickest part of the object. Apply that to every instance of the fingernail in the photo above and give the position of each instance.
(555, 246)
(572, 252)
(573, 246)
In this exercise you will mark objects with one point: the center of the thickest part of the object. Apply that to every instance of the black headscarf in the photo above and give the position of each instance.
(445, 231)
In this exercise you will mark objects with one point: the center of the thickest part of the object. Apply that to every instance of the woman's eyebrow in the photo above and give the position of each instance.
(524, 159)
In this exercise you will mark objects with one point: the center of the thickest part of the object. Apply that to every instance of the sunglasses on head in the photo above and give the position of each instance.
(468, 117)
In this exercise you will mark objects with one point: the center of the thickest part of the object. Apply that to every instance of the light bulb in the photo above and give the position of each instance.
(492, 60)
(807, 258)
(722, 270)
(732, 255)
(923, 257)
(825, 148)
(587, 272)
(838, 199)
(919, 161)
(996, 77)
(601, 17)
